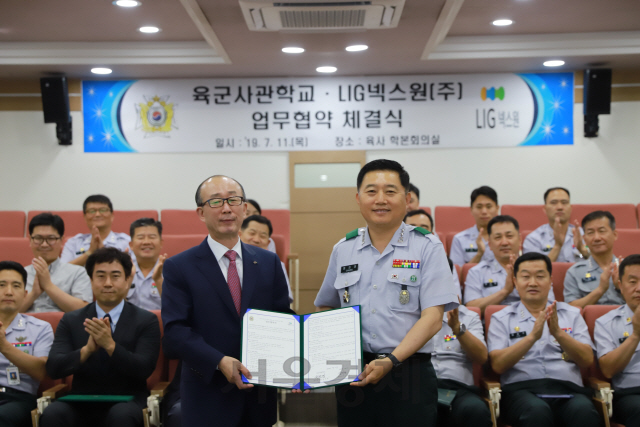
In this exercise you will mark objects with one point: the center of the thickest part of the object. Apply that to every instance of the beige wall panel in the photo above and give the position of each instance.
(307, 296)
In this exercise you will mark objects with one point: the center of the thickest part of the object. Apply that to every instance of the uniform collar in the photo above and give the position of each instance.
(496, 267)
(472, 232)
(219, 249)
(139, 272)
(593, 266)
(54, 266)
(400, 237)
(19, 323)
(523, 313)
(627, 313)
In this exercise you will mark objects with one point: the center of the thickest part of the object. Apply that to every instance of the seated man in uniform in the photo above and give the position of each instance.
(559, 240)
(594, 280)
(414, 201)
(256, 230)
(110, 347)
(457, 345)
(617, 337)
(491, 282)
(53, 285)
(470, 245)
(24, 346)
(538, 348)
(146, 245)
(253, 208)
(98, 213)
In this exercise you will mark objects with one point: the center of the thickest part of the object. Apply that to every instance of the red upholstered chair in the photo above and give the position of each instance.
(15, 249)
(12, 223)
(624, 213)
(281, 222)
(558, 272)
(181, 221)
(173, 245)
(628, 243)
(448, 237)
(53, 317)
(529, 217)
(426, 209)
(452, 218)
(74, 222)
(122, 219)
(281, 247)
(465, 269)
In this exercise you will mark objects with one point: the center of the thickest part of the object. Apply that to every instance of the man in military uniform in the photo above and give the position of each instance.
(98, 213)
(24, 346)
(538, 348)
(414, 199)
(470, 245)
(617, 337)
(457, 345)
(594, 281)
(400, 276)
(559, 240)
(491, 282)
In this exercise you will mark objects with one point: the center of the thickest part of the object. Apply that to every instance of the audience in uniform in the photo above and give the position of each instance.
(593, 281)
(559, 240)
(414, 200)
(146, 245)
(52, 284)
(98, 214)
(24, 347)
(253, 208)
(470, 245)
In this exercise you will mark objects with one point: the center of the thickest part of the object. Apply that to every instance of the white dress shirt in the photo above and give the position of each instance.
(219, 250)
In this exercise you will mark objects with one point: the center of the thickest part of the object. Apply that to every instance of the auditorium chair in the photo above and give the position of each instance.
(624, 213)
(452, 218)
(181, 221)
(16, 249)
(628, 243)
(558, 272)
(529, 217)
(74, 222)
(465, 269)
(448, 238)
(173, 245)
(12, 223)
(122, 219)
(426, 209)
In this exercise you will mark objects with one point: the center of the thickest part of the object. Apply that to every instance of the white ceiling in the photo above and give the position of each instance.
(209, 38)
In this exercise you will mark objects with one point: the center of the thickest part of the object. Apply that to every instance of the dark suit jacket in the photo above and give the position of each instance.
(137, 338)
(201, 325)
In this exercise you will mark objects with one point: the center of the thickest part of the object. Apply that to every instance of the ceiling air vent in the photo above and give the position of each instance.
(312, 16)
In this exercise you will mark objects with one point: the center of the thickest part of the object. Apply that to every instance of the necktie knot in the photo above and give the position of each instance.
(231, 255)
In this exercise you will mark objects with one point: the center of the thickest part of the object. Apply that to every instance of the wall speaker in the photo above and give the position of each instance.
(597, 91)
(55, 105)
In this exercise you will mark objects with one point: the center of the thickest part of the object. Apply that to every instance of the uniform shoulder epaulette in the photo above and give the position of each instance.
(352, 234)
(422, 230)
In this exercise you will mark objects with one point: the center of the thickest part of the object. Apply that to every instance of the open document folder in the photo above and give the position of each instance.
(302, 351)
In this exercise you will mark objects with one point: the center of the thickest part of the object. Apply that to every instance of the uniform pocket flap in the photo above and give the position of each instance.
(344, 280)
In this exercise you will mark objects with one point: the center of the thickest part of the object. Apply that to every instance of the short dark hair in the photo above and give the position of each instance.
(499, 219)
(628, 260)
(199, 200)
(415, 190)
(257, 218)
(97, 198)
(255, 205)
(384, 165)
(597, 215)
(12, 265)
(47, 219)
(484, 191)
(419, 212)
(109, 255)
(546, 193)
(532, 256)
(145, 222)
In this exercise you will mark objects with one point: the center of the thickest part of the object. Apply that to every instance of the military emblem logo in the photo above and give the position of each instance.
(156, 116)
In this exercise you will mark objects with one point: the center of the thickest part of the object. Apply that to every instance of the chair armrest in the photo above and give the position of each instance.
(56, 391)
(160, 389)
(603, 392)
(494, 394)
(597, 384)
(489, 384)
(292, 256)
(601, 407)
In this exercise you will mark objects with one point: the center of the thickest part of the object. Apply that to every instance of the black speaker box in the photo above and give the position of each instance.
(597, 91)
(55, 99)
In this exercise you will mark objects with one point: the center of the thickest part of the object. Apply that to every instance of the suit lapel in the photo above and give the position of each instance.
(209, 267)
(249, 275)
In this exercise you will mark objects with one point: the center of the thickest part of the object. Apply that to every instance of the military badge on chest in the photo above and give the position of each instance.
(588, 278)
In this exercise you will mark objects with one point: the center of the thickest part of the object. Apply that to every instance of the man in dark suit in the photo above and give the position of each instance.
(110, 347)
(205, 291)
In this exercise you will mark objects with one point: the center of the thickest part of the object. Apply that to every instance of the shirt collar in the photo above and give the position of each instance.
(114, 313)
(592, 266)
(139, 272)
(523, 313)
(219, 249)
(496, 267)
(402, 232)
(54, 266)
(627, 313)
(19, 323)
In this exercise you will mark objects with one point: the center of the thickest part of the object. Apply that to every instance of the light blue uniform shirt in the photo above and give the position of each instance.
(541, 240)
(72, 279)
(609, 334)
(583, 277)
(143, 292)
(80, 243)
(544, 359)
(456, 283)
(464, 248)
(114, 314)
(376, 284)
(448, 358)
(486, 279)
(34, 337)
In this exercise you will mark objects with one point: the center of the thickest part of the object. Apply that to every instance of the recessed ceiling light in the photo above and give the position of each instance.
(356, 48)
(100, 70)
(502, 22)
(553, 63)
(149, 29)
(127, 3)
(292, 49)
(326, 69)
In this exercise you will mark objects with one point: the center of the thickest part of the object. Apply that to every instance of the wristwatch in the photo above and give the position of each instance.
(463, 329)
(394, 360)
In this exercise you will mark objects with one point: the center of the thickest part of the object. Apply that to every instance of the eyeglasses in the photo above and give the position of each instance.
(231, 201)
(101, 210)
(51, 240)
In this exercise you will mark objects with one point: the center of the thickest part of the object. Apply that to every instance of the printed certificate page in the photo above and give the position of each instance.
(332, 347)
(271, 348)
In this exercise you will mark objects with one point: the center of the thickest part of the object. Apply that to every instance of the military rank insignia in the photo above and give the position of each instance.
(406, 263)
(471, 248)
(518, 334)
(588, 278)
(490, 284)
